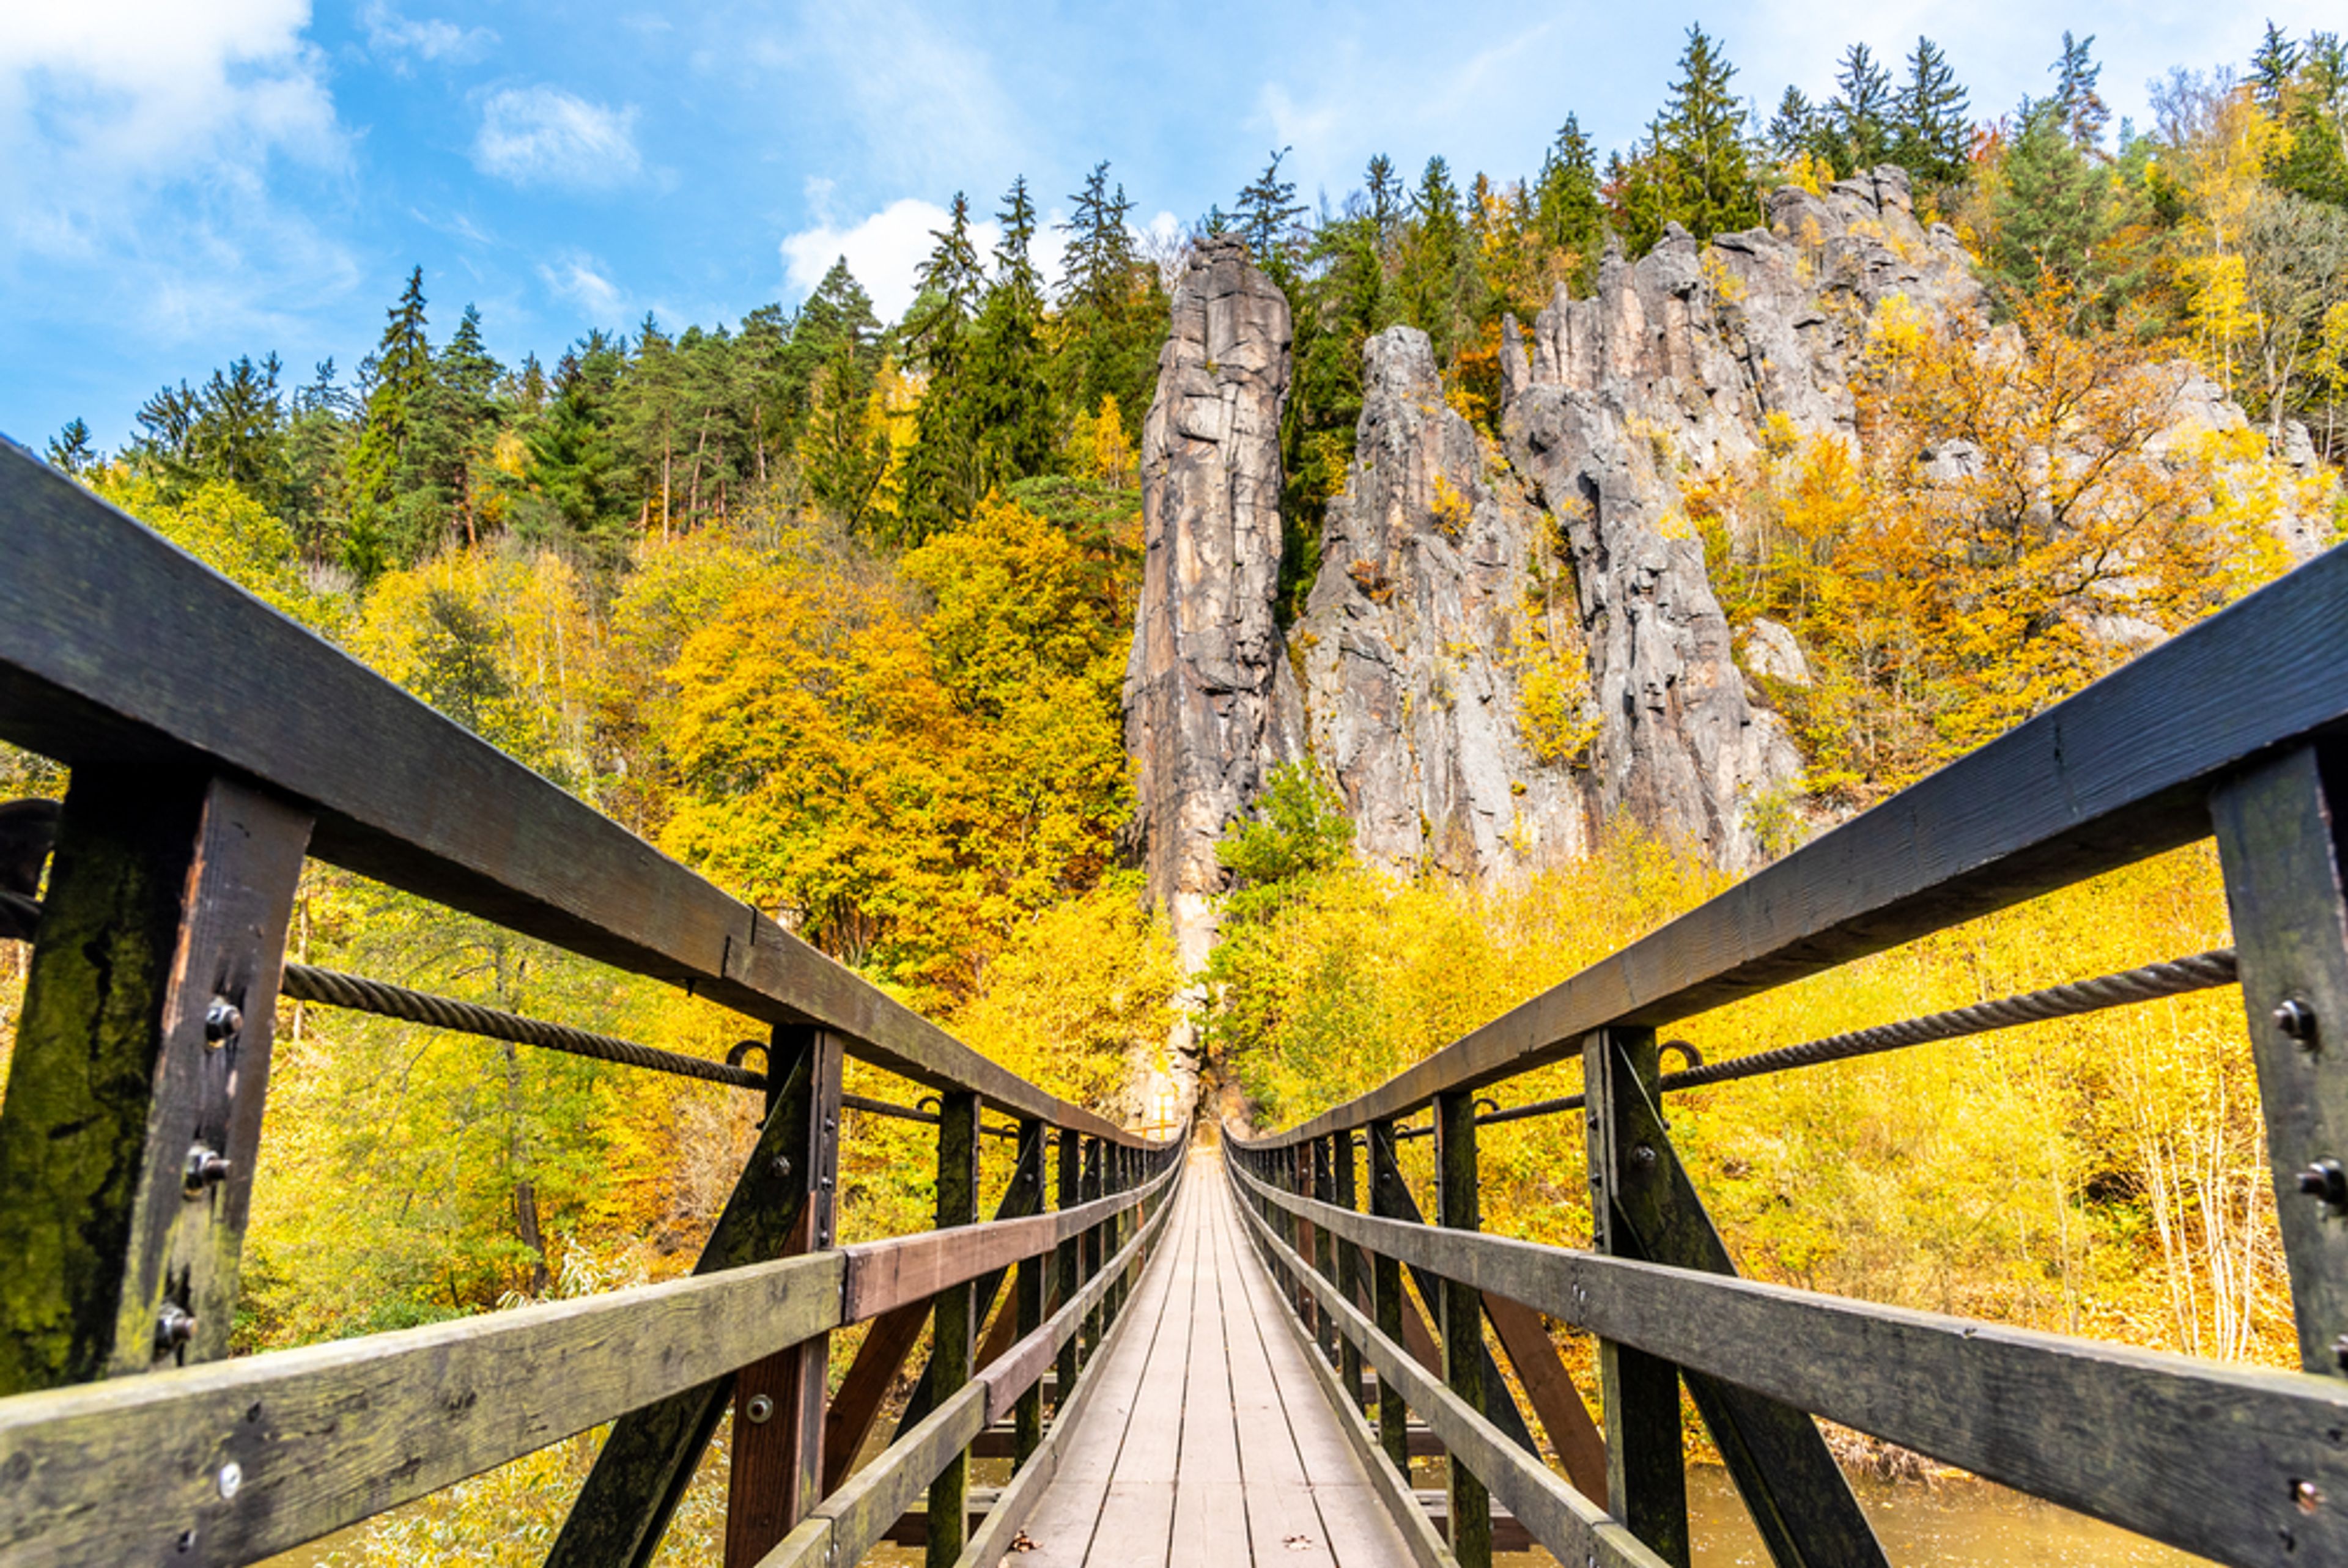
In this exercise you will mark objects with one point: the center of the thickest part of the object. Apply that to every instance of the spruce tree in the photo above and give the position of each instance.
(1110, 319)
(1793, 130)
(1386, 200)
(1933, 132)
(399, 374)
(1699, 143)
(2078, 106)
(2273, 67)
(2051, 212)
(71, 451)
(1266, 215)
(1566, 208)
(1860, 114)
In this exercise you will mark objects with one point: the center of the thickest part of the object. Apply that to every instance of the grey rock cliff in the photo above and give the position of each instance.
(1419, 628)
(1211, 702)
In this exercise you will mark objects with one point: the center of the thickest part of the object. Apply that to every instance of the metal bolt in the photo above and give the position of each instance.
(1644, 1154)
(759, 1409)
(782, 1166)
(2308, 1495)
(2325, 1180)
(222, 1019)
(231, 1479)
(174, 1325)
(2340, 1352)
(206, 1167)
(2296, 1019)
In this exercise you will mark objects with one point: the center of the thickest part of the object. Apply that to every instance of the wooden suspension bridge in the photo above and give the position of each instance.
(1192, 1349)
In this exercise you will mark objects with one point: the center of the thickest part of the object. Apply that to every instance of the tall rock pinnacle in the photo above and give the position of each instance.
(1211, 702)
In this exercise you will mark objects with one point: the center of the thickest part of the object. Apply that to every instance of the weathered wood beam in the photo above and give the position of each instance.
(132, 1120)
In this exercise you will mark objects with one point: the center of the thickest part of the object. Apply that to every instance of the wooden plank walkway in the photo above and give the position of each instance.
(1208, 1441)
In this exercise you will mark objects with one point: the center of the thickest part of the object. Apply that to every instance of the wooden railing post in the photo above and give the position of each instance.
(1646, 1207)
(2279, 832)
(1068, 1194)
(953, 1331)
(644, 1466)
(1094, 1322)
(775, 1465)
(1386, 1193)
(1324, 1188)
(1349, 1263)
(1028, 1414)
(135, 1095)
(1646, 1471)
(1458, 1207)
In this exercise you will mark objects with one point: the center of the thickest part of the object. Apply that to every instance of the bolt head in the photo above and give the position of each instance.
(782, 1165)
(2340, 1352)
(175, 1326)
(222, 1019)
(2324, 1179)
(231, 1479)
(2296, 1019)
(760, 1410)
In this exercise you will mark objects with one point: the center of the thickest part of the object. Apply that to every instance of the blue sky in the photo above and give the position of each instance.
(185, 180)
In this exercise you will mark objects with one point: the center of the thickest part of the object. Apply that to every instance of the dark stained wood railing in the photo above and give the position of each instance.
(213, 747)
(2237, 728)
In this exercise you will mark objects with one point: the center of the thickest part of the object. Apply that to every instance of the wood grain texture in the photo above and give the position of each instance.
(118, 1471)
(1549, 1387)
(1023, 1197)
(2114, 774)
(884, 1275)
(169, 890)
(2279, 834)
(647, 1462)
(1459, 1206)
(115, 646)
(2198, 1454)
(1564, 1521)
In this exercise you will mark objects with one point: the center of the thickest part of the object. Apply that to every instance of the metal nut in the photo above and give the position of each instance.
(760, 1410)
(222, 1019)
(174, 1325)
(782, 1165)
(231, 1479)
(2307, 1494)
(206, 1167)
(2325, 1180)
(2296, 1019)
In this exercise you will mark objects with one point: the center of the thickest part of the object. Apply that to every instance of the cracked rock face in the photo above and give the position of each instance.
(1211, 702)
(1420, 625)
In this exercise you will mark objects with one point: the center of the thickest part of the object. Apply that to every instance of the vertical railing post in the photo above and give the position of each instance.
(953, 1330)
(776, 1467)
(132, 1119)
(1297, 1163)
(1646, 1472)
(1324, 1189)
(2280, 830)
(1349, 1262)
(1458, 1207)
(1112, 1230)
(1094, 1322)
(1068, 1192)
(1028, 1417)
(1385, 1286)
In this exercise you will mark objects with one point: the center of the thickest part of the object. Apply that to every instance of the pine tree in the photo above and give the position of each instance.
(1266, 218)
(944, 477)
(1933, 134)
(1860, 116)
(1434, 251)
(2273, 67)
(1700, 142)
(1385, 199)
(1565, 198)
(400, 375)
(1793, 130)
(2079, 108)
(71, 450)
(1110, 314)
(2051, 212)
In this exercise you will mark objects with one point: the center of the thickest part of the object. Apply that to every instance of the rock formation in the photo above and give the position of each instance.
(1211, 702)
(1430, 609)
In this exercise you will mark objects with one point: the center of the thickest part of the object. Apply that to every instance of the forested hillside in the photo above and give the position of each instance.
(837, 610)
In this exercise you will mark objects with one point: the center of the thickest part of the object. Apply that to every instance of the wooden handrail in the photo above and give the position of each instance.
(117, 646)
(2117, 774)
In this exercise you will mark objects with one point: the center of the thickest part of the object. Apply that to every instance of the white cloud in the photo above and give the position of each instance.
(393, 37)
(579, 278)
(544, 136)
(886, 249)
(141, 143)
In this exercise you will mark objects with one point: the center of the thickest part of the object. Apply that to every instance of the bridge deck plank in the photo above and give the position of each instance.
(1208, 1440)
